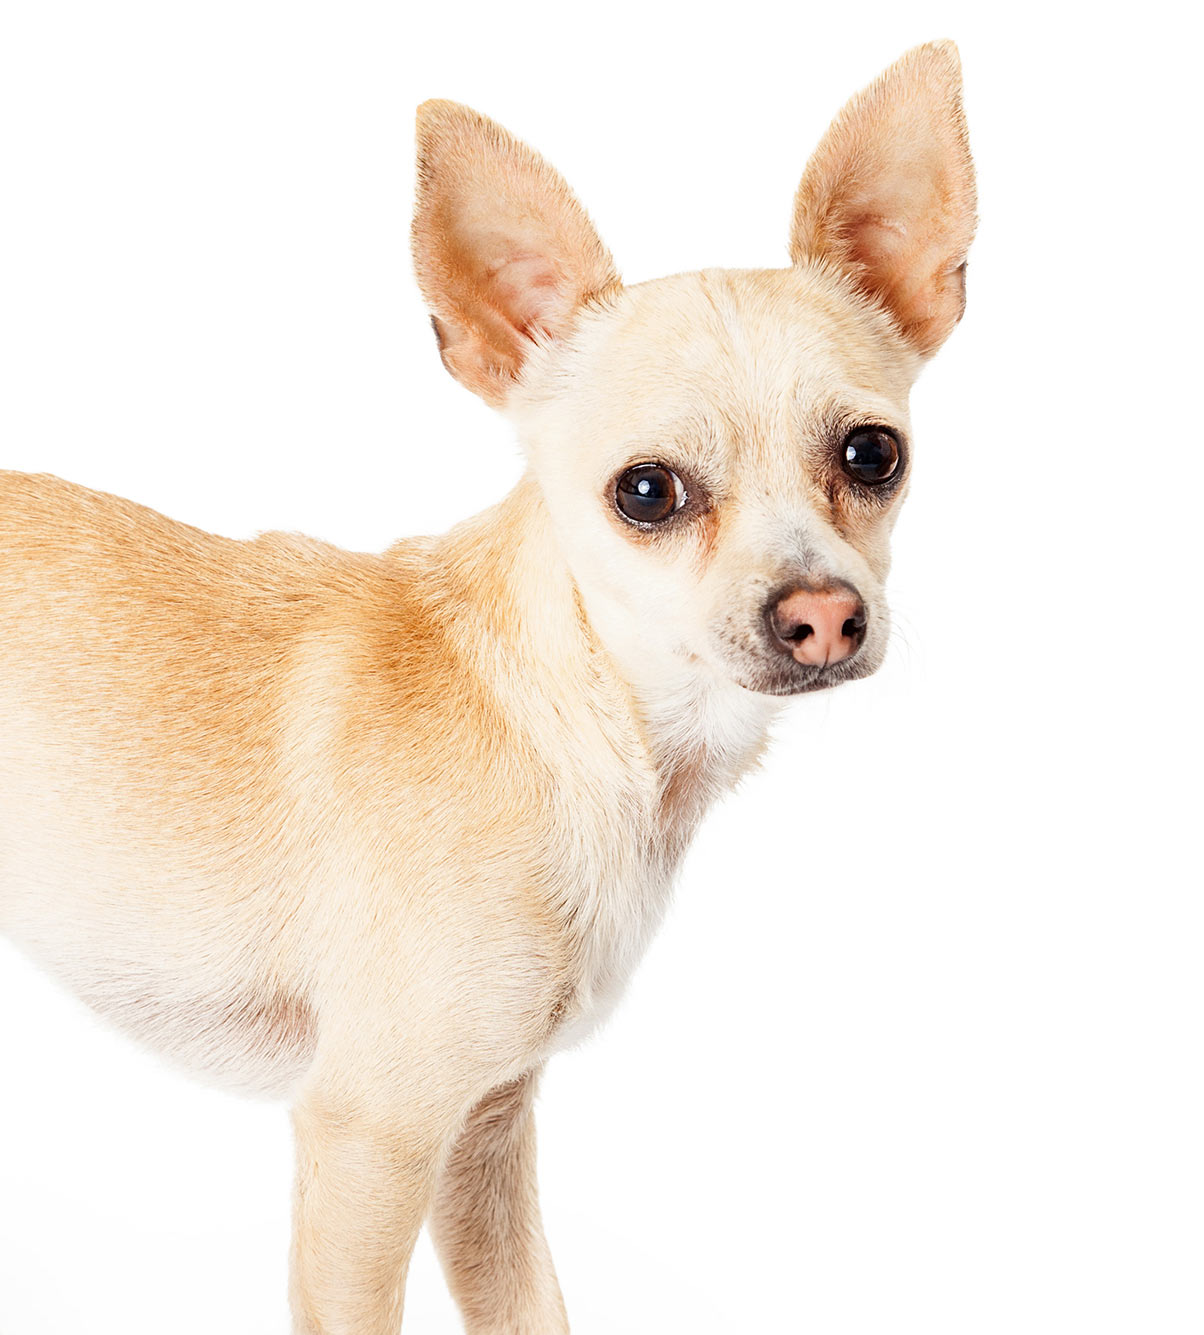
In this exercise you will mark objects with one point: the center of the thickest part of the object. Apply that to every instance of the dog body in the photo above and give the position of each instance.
(379, 833)
(377, 699)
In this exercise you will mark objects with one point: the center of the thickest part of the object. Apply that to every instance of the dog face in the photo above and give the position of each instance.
(722, 454)
(691, 440)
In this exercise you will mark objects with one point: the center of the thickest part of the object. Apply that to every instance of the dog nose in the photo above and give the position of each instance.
(819, 626)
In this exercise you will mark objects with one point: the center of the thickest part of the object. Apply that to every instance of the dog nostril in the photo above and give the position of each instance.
(800, 633)
(853, 627)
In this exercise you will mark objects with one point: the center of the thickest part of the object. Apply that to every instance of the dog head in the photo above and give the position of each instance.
(722, 454)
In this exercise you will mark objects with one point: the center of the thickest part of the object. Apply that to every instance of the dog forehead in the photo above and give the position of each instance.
(740, 346)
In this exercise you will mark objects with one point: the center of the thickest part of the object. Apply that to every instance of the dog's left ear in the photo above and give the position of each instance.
(888, 196)
(505, 254)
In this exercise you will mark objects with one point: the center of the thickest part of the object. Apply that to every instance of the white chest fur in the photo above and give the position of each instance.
(624, 856)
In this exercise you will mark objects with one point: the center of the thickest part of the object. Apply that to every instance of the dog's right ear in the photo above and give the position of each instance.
(505, 255)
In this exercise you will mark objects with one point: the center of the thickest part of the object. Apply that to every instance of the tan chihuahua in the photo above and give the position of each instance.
(380, 833)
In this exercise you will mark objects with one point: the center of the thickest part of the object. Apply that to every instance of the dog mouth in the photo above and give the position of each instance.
(789, 678)
(752, 661)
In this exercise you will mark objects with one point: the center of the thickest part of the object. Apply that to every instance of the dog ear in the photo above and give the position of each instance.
(889, 195)
(505, 254)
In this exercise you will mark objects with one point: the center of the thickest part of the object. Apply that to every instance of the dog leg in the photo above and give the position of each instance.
(364, 1184)
(485, 1221)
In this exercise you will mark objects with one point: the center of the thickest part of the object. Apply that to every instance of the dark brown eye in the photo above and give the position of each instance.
(870, 455)
(649, 493)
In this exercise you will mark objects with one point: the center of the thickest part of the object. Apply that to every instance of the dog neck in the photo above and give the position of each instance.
(683, 735)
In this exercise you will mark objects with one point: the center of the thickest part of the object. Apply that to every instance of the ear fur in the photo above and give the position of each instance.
(889, 194)
(505, 255)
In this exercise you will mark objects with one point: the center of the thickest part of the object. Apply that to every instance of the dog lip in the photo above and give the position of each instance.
(806, 679)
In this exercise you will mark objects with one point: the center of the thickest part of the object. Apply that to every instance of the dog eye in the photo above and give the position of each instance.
(871, 455)
(649, 493)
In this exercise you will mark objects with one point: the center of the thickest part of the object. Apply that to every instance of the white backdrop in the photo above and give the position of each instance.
(918, 1048)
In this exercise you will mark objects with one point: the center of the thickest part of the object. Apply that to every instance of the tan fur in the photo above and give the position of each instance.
(889, 194)
(502, 249)
(380, 833)
(485, 1218)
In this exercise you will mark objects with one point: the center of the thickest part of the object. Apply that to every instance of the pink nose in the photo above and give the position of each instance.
(819, 626)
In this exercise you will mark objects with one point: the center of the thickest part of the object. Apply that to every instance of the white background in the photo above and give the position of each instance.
(919, 1046)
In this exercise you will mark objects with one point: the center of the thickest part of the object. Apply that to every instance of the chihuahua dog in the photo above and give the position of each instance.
(380, 833)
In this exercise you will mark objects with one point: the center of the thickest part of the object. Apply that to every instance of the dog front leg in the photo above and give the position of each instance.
(364, 1183)
(485, 1221)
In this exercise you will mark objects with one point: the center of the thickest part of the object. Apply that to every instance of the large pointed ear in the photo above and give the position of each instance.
(889, 194)
(504, 253)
